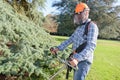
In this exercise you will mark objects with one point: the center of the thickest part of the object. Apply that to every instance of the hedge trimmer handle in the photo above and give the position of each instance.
(52, 49)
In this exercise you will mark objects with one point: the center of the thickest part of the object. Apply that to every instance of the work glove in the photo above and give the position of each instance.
(54, 50)
(72, 61)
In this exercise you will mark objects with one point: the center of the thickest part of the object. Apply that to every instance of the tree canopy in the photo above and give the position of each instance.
(30, 8)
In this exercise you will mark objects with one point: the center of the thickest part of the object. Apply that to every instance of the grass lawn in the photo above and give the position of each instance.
(106, 65)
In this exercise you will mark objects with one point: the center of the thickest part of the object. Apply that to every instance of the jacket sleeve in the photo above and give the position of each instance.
(67, 42)
(91, 43)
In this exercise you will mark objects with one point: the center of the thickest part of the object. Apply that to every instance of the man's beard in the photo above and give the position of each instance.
(78, 22)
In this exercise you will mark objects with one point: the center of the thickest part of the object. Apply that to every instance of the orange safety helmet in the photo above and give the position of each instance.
(81, 7)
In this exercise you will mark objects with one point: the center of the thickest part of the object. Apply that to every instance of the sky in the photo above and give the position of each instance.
(118, 3)
(49, 9)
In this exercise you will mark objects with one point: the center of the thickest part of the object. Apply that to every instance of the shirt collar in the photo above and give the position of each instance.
(88, 20)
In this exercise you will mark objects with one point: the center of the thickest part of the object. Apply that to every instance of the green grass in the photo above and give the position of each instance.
(106, 64)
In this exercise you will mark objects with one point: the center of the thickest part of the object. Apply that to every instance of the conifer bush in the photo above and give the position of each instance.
(24, 46)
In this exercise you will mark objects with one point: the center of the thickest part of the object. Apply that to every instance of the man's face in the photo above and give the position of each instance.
(79, 18)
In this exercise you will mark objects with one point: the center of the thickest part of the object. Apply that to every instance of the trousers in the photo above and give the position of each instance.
(81, 73)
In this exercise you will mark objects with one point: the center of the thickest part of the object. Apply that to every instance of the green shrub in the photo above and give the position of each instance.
(24, 46)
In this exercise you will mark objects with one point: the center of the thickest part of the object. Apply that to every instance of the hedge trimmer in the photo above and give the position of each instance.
(65, 66)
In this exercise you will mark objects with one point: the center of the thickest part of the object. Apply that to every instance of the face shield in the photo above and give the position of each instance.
(78, 18)
(81, 17)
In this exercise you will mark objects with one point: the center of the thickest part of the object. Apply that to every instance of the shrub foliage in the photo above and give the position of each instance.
(24, 46)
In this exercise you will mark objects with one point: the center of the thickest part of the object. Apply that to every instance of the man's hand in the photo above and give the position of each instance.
(54, 50)
(73, 62)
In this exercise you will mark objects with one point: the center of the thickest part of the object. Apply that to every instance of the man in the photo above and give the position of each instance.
(83, 58)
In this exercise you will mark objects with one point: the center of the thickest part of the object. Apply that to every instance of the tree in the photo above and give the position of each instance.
(50, 24)
(66, 26)
(30, 8)
(106, 16)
